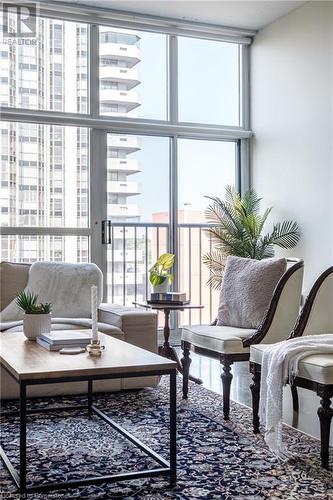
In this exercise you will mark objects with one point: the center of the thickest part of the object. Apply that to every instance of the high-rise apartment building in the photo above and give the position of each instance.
(44, 168)
(119, 77)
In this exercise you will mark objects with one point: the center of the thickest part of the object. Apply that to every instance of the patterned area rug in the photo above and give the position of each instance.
(217, 459)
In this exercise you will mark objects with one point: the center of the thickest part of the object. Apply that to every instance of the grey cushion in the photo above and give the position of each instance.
(315, 367)
(247, 289)
(13, 278)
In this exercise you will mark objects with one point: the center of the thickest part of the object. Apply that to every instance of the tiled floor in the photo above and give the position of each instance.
(209, 371)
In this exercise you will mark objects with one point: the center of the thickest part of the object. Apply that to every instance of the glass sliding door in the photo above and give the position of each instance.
(204, 169)
(138, 212)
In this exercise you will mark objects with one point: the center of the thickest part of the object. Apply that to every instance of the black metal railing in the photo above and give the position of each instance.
(135, 247)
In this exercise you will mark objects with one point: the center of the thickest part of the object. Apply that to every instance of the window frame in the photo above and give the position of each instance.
(100, 125)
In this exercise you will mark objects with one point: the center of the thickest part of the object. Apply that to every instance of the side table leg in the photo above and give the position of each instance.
(168, 351)
(23, 440)
(165, 349)
(173, 427)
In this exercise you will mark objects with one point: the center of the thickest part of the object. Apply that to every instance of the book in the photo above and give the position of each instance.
(169, 302)
(168, 297)
(51, 347)
(66, 338)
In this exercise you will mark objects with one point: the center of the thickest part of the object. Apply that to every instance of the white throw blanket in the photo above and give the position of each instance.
(279, 365)
(66, 286)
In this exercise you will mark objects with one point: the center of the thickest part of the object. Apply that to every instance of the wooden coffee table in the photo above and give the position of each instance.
(29, 364)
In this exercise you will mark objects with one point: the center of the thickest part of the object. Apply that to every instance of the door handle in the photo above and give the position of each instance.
(106, 232)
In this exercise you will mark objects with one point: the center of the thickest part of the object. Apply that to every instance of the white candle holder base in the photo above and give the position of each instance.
(95, 348)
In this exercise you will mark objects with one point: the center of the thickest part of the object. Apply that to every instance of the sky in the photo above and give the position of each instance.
(208, 93)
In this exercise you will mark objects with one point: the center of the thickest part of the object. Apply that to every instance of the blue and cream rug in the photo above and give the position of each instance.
(217, 459)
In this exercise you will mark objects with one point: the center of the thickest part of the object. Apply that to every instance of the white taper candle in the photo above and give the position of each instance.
(94, 312)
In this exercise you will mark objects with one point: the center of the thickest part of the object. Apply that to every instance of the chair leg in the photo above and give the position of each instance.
(226, 377)
(186, 361)
(294, 394)
(255, 390)
(325, 413)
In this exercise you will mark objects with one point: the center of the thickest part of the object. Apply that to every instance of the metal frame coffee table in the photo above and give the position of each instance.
(152, 364)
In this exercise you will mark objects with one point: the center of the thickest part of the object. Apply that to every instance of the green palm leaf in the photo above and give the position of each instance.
(236, 226)
(285, 234)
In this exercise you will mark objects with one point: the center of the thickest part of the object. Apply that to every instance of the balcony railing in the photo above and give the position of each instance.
(123, 165)
(128, 53)
(127, 76)
(136, 246)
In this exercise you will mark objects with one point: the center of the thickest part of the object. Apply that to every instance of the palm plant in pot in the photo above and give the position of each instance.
(37, 317)
(236, 226)
(159, 275)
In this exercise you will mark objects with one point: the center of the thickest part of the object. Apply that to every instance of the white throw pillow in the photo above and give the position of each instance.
(247, 290)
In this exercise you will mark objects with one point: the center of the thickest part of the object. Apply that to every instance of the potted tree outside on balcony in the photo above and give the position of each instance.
(37, 317)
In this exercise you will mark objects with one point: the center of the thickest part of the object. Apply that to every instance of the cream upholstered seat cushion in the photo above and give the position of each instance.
(223, 339)
(315, 367)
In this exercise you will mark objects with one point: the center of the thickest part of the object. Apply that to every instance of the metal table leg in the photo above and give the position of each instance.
(23, 439)
(173, 427)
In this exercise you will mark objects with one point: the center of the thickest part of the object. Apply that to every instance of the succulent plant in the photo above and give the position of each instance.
(27, 302)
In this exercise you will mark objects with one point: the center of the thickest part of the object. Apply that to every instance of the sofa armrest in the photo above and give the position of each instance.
(139, 326)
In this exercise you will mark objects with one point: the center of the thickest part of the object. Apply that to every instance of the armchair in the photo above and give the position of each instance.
(231, 344)
(138, 327)
(315, 372)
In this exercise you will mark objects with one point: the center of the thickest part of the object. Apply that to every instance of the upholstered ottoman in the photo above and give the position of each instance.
(315, 373)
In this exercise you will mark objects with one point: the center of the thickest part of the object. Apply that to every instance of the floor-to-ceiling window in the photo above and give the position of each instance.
(112, 136)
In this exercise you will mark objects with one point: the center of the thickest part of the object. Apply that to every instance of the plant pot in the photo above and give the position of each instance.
(162, 288)
(36, 324)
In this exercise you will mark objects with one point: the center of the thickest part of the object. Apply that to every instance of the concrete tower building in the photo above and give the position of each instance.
(119, 77)
(44, 169)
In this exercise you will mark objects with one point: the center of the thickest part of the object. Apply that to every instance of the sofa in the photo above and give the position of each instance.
(135, 326)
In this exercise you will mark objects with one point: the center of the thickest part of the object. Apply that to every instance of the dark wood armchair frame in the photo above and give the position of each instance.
(325, 392)
(228, 359)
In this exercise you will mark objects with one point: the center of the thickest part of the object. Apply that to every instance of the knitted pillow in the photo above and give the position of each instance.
(247, 289)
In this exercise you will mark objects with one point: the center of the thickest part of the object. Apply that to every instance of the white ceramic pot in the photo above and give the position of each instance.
(36, 324)
(162, 288)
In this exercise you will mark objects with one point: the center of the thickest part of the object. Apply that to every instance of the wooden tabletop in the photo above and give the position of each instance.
(156, 305)
(26, 360)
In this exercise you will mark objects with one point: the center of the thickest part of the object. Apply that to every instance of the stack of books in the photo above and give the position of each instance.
(171, 298)
(56, 340)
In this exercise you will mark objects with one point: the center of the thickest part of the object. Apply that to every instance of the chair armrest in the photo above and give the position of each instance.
(139, 326)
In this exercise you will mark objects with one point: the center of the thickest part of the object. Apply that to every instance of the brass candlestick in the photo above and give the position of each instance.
(95, 348)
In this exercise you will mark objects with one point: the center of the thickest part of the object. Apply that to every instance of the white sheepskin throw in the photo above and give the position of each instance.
(66, 286)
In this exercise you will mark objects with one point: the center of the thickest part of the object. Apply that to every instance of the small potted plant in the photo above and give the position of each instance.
(37, 317)
(159, 276)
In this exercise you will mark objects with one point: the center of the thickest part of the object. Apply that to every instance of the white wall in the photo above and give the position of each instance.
(292, 115)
